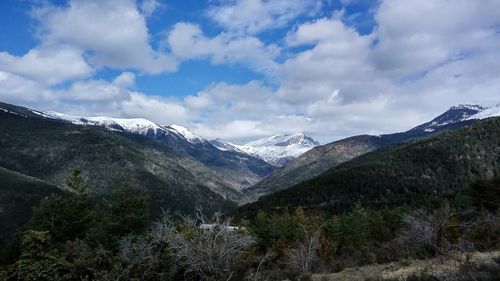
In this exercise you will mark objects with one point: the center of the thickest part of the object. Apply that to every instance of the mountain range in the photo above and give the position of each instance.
(321, 158)
(183, 172)
(276, 150)
(419, 173)
(180, 174)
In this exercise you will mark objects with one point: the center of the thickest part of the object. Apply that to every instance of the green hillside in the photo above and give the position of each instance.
(413, 173)
(50, 150)
(18, 195)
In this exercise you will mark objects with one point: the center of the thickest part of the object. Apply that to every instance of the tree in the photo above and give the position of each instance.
(208, 253)
(75, 182)
(303, 256)
(65, 217)
(485, 194)
(128, 212)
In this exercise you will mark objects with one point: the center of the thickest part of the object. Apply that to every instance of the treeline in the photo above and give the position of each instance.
(75, 238)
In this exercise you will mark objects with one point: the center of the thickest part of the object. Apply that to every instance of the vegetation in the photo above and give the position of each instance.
(431, 199)
(75, 238)
(415, 174)
(18, 195)
(49, 150)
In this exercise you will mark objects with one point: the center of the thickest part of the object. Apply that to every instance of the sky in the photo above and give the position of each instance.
(246, 69)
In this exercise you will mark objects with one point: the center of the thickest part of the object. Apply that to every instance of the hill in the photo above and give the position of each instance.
(49, 149)
(18, 195)
(236, 168)
(413, 173)
(321, 158)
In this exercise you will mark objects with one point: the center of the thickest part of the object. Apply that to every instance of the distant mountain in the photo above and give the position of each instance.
(237, 170)
(225, 146)
(321, 158)
(461, 113)
(130, 125)
(186, 134)
(414, 173)
(134, 125)
(278, 150)
(180, 173)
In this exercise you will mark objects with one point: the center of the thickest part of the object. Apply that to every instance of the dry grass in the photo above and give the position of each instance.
(401, 270)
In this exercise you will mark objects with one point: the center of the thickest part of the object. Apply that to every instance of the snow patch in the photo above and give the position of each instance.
(278, 149)
(12, 112)
(187, 134)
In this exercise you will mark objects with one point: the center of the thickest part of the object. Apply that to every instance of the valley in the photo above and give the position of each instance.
(281, 179)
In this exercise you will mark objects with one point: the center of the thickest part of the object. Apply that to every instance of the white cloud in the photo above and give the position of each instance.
(328, 80)
(91, 98)
(22, 91)
(99, 90)
(235, 130)
(254, 16)
(337, 60)
(342, 83)
(417, 35)
(113, 33)
(48, 64)
(154, 108)
(149, 7)
(187, 41)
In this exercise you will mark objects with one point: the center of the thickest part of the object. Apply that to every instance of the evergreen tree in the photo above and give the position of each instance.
(75, 182)
(128, 211)
(65, 217)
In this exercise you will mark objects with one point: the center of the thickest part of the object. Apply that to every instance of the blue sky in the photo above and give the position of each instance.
(243, 69)
(18, 28)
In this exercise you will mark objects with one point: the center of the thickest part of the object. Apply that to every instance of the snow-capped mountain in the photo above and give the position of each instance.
(278, 150)
(185, 133)
(131, 125)
(462, 113)
(225, 146)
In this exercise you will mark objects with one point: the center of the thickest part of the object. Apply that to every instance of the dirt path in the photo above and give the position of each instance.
(401, 270)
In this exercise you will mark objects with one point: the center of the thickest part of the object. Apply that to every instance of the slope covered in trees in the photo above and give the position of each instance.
(414, 173)
(324, 157)
(18, 195)
(50, 149)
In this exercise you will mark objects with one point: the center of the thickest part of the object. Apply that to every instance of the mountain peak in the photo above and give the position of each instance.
(279, 149)
(132, 125)
(186, 133)
(462, 113)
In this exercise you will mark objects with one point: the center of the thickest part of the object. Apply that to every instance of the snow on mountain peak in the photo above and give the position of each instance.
(133, 125)
(186, 133)
(279, 149)
(487, 110)
(463, 112)
(225, 146)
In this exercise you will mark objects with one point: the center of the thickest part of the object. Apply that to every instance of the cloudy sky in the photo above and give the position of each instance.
(244, 69)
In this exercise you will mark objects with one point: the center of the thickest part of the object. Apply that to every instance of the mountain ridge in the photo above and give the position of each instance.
(413, 173)
(321, 158)
(279, 149)
(235, 169)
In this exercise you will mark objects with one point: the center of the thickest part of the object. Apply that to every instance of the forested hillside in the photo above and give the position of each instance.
(324, 157)
(414, 173)
(18, 195)
(50, 150)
